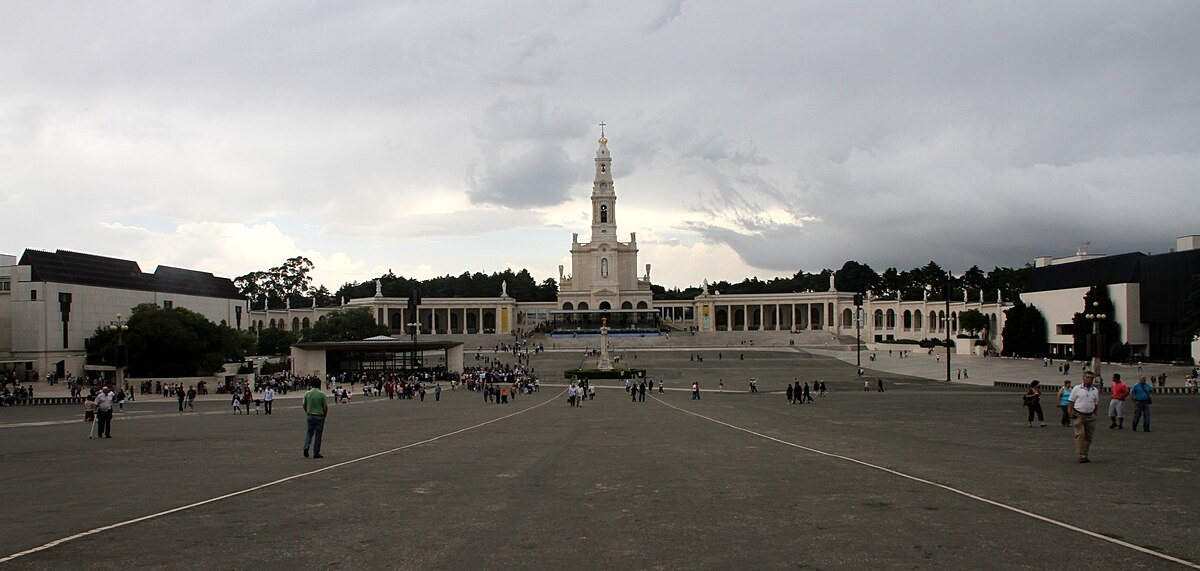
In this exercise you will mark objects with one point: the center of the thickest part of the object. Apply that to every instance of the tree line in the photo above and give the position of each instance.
(291, 282)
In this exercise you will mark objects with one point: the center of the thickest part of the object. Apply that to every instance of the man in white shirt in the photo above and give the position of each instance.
(104, 413)
(1085, 399)
(268, 398)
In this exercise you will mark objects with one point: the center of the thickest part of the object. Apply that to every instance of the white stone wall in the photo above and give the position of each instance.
(35, 327)
(1060, 307)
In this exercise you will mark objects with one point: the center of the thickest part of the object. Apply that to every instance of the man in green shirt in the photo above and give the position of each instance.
(316, 407)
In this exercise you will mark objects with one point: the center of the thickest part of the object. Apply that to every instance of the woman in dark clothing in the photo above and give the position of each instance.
(1033, 401)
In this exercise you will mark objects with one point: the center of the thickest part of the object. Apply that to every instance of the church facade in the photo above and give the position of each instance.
(604, 269)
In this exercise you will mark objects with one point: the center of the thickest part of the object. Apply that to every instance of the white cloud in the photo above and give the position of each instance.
(443, 137)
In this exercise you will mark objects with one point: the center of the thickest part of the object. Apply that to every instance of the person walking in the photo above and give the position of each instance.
(721, 385)
(1085, 399)
(797, 392)
(807, 395)
(642, 391)
(789, 395)
(237, 403)
(191, 399)
(104, 412)
(437, 392)
(1033, 401)
(1116, 404)
(268, 398)
(1064, 401)
(695, 390)
(317, 408)
(179, 394)
(1141, 403)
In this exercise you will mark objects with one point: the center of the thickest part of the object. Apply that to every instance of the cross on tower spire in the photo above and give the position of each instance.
(602, 123)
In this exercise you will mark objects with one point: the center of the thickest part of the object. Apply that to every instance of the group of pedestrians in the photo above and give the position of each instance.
(797, 394)
(1081, 404)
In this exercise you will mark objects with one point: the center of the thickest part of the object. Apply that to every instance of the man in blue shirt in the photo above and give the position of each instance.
(1141, 402)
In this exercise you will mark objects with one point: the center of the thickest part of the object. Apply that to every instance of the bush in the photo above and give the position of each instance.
(598, 374)
(901, 341)
(270, 367)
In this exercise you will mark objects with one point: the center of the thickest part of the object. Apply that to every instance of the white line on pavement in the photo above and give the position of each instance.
(91, 532)
(966, 494)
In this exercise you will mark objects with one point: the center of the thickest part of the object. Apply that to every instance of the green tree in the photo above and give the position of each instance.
(1024, 333)
(272, 341)
(856, 277)
(973, 321)
(1095, 302)
(289, 281)
(173, 342)
(345, 325)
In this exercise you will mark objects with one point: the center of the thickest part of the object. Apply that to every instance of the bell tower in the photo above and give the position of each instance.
(604, 197)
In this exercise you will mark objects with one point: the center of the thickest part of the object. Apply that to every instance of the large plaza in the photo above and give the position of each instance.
(926, 474)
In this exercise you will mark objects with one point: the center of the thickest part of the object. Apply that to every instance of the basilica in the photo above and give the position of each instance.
(51, 302)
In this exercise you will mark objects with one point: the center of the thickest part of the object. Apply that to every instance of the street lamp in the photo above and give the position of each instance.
(1095, 317)
(946, 296)
(858, 309)
(412, 362)
(120, 326)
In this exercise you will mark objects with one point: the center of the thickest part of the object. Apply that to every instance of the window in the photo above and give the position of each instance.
(5, 285)
(33, 295)
(603, 213)
(168, 304)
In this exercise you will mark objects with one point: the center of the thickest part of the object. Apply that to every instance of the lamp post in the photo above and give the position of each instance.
(1095, 317)
(120, 326)
(946, 296)
(858, 303)
(412, 362)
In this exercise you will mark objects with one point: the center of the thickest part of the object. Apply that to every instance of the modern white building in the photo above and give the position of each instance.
(1149, 294)
(52, 302)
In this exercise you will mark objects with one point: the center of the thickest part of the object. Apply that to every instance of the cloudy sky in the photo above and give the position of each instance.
(446, 136)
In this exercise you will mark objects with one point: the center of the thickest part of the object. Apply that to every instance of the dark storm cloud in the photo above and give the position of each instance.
(539, 177)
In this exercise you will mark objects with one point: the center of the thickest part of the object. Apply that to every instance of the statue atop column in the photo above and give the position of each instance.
(647, 272)
(832, 285)
(560, 274)
(314, 306)
(704, 287)
(378, 288)
(503, 288)
(605, 363)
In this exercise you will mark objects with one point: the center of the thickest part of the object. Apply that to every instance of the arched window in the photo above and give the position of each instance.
(917, 320)
(305, 323)
(604, 267)
(908, 320)
(847, 318)
(568, 306)
(583, 306)
(626, 305)
(642, 305)
(891, 319)
(878, 319)
(603, 213)
(604, 306)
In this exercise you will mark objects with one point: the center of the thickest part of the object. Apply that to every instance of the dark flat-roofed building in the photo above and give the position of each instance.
(51, 302)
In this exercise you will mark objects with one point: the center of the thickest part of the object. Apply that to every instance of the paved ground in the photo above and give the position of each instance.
(925, 475)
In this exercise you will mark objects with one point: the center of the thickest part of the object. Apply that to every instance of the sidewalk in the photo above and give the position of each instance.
(984, 371)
